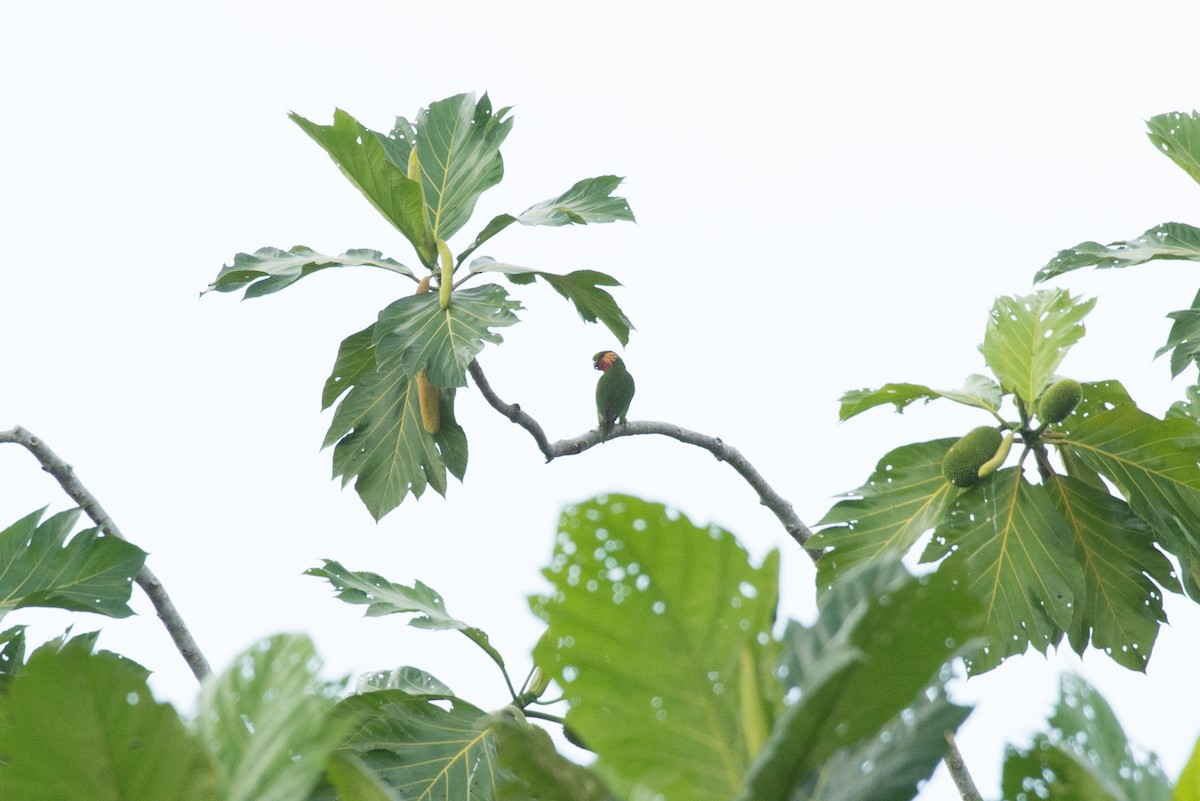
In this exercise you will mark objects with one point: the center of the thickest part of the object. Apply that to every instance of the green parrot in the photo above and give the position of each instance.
(614, 391)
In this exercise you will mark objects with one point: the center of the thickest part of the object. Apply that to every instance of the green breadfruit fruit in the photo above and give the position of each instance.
(962, 462)
(1059, 400)
(573, 738)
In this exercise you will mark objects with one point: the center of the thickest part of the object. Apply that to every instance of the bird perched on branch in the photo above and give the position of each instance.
(614, 391)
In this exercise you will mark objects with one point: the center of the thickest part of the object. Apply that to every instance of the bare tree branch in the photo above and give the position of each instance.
(780, 506)
(958, 771)
(65, 475)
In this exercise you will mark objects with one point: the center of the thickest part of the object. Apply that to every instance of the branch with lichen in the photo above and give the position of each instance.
(65, 475)
(780, 506)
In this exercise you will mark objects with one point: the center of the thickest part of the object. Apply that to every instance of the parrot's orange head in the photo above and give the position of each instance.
(604, 360)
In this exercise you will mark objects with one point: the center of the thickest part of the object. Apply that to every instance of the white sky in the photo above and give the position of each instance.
(828, 197)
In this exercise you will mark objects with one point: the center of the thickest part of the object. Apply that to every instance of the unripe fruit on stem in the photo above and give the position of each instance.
(447, 273)
(428, 395)
(962, 462)
(423, 287)
(1059, 400)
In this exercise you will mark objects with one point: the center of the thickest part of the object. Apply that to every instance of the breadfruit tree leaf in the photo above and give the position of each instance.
(78, 726)
(582, 288)
(904, 498)
(1188, 408)
(458, 146)
(1120, 610)
(1183, 342)
(411, 680)
(12, 654)
(420, 749)
(442, 342)
(1009, 542)
(1153, 463)
(655, 626)
(978, 391)
(266, 721)
(1188, 786)
(894, 764)
(535, 769)
(354, 781)
(39, 566)
(1177, 134)
(269, 270)
(1166, 241)
(1084, 757)
(355, 361)
(383, 597)
(588, 201)
(381, 441)
(1027, 337)
(361, 157)
(864, 668)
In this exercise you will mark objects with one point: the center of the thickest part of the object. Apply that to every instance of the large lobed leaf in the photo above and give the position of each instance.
(1177, 134)
(1154, 465)
(1085, 756)
(265, 721)
(1011, 546)
(90, 573)
(1183, 341)
(442, 342)
(588, 201)
(1166, 241)
(420, 749)
(381, 441)
(880, 639)
(1027, 337)
(1121, 608)
(361, 157)
(978, 391)
(581, 287)
(269, 270)
(655, 624)
(383, 597)
(904, 498)
(79, 726)
(535, 769)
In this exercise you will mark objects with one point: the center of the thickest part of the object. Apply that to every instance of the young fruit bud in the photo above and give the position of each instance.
(1059, 400)
(962, 462)
(428, 395)
(423, 287)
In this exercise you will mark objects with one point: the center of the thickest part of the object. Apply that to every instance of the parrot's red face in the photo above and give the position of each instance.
(604, 360)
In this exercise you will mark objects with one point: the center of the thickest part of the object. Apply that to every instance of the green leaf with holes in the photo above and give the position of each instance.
(880, 640)
(904, 498)
(420, 749)
(1153, 464)
(1177, 135)
(1084, 757)
(442, 342)
(265, 720)
(269, 270)
(655, 626)
(1120, 610)
(1008, 542)
(79, 726)
(1027, 337)
(358, 153)
(41, 564)
(1170, 241)
(458, 146)
(978, 391)
(1183, 341)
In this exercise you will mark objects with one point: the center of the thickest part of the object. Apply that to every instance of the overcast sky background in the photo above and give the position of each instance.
(828, 197)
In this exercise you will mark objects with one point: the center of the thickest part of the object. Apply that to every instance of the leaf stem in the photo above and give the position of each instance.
(533, 713)
(780, 506)
(73, 487)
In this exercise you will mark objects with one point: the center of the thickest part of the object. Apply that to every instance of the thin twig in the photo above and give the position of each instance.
(771, 499)
(958, 771)
(65, 475)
